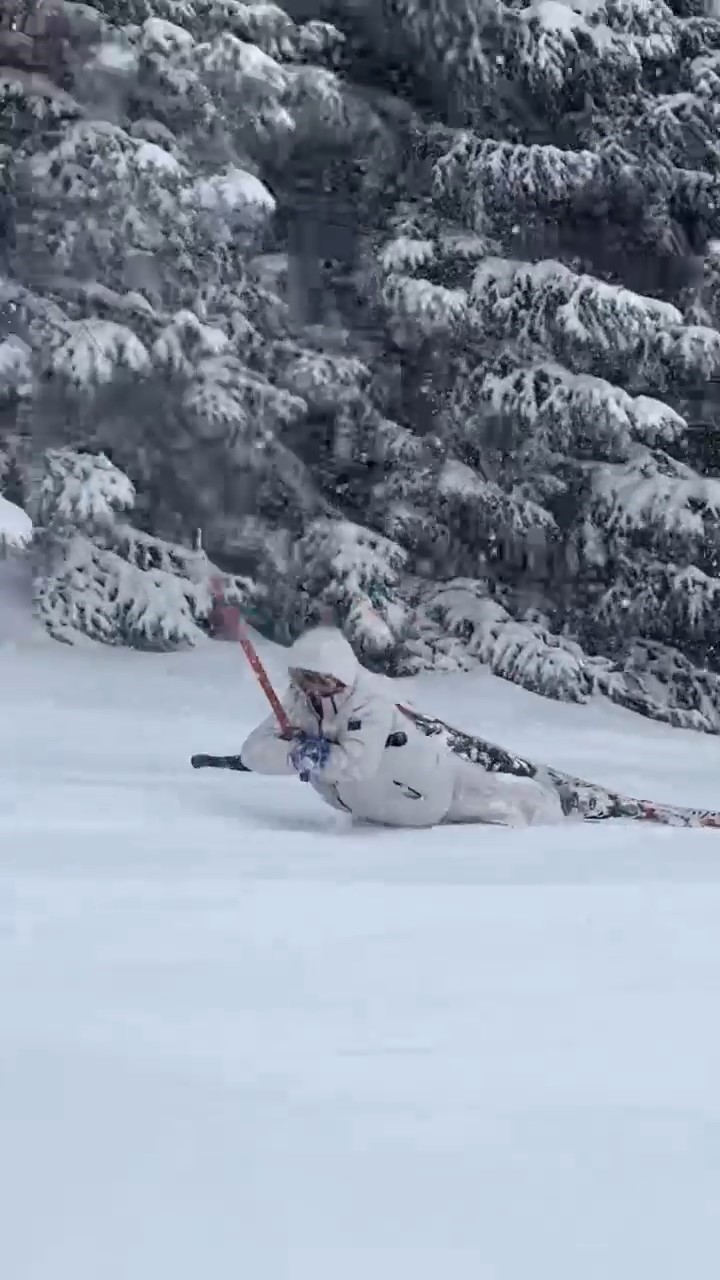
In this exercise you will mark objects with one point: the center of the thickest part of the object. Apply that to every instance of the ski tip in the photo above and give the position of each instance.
(198, 762)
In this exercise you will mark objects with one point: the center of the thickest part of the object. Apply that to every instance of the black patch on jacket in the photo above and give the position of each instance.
(409, 792)
(398, 739)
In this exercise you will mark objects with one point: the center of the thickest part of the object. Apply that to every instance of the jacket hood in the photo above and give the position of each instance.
(325, 651)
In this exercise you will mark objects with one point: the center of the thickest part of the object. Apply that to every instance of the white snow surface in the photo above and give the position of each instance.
(15, 526)
(241, 1038)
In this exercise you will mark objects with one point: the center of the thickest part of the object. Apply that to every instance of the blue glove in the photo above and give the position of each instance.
(309, 754)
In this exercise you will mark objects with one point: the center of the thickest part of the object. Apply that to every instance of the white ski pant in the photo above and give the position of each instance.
(479, 796)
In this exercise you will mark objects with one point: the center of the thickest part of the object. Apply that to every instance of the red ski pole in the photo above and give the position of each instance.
(263, 680)
(255, 662)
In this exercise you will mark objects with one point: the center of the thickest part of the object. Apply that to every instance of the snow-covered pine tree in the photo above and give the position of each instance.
(547, 258)
(15, 389)
(96, 576)
(140, 213)
(357, 574)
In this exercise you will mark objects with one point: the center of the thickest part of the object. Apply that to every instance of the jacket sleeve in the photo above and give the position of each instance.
(358, 753)
(264, 751)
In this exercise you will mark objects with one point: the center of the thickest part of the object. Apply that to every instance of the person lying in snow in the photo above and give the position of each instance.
(362, 755)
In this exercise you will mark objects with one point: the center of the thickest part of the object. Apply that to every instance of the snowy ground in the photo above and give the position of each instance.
(238, 1039)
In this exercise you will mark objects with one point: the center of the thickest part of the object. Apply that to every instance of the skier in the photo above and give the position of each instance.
(364, 756)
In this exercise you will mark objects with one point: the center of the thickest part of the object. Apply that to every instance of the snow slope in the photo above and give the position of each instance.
(15, 526)
(238, 1038)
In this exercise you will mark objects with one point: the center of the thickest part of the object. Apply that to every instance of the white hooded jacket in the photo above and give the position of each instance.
(381, 767)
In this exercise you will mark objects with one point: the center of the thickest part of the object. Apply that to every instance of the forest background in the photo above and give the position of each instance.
(404, 309)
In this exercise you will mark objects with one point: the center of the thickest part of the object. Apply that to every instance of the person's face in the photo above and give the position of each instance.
(315, 684)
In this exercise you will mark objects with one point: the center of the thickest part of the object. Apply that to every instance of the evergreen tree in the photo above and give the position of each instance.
(358, 574)
(140, 210)
(95, 575)
(562, 388)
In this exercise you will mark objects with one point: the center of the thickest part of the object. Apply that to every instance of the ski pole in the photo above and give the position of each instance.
(263, 680)
(255, 662)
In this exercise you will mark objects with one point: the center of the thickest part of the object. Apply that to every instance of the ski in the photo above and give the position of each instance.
(204, 761)
(585, 800)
